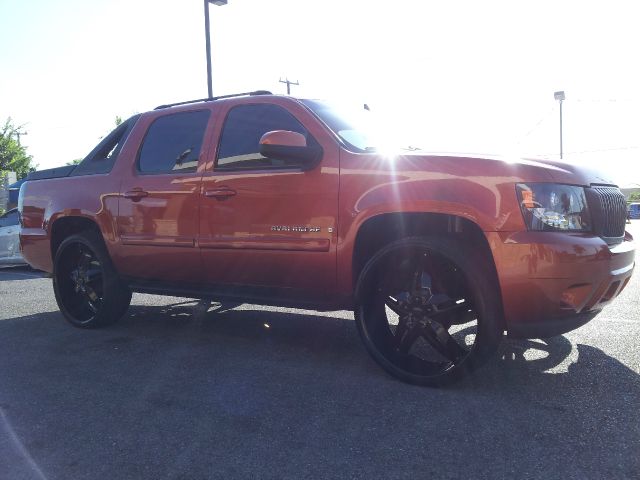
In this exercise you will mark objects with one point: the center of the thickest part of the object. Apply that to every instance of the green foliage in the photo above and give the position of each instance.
(117, 122)
(74, 162)
(634, 197)
(13, 156)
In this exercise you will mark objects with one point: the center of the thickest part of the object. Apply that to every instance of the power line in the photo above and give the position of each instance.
(535, 127)
(606, 100)
(592, 151)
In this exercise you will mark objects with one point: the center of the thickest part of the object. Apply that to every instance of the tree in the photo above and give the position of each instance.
(634, 197)
(74, 162)
(13, 156)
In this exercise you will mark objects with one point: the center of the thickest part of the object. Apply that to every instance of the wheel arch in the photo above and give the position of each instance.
(65, 226)
(382, 229)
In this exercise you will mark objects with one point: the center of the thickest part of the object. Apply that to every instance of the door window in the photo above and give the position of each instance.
(244, 126)
(173, 143)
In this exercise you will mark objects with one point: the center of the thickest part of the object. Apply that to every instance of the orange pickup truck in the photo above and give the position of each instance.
(281, 201)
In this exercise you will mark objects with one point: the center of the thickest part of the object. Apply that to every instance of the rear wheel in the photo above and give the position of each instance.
(87, 287)
(426, 311)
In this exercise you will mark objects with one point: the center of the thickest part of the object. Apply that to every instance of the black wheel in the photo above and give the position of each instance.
(427, 311)
(87, 288)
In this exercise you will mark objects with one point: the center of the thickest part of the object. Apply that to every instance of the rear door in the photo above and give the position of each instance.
(158, 203)
(267, 223)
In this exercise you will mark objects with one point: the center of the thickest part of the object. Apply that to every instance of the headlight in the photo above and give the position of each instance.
(553, 207)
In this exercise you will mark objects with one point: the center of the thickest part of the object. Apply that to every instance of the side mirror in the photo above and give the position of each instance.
(289, 146)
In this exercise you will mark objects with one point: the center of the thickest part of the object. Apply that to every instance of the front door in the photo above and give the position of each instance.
(158, 204)
(267, 223)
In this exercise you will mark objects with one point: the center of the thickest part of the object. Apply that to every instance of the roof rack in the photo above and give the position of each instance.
(211, 99)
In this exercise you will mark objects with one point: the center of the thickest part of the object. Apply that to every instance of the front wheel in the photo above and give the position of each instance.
(87, 287)
(427, 311)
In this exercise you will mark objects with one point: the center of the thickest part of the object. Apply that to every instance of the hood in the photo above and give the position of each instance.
(529, 169)
(563, 172)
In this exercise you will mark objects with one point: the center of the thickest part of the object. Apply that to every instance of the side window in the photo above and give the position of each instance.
(103, 157)
(239, 147)
(173, 143)
(9, 219)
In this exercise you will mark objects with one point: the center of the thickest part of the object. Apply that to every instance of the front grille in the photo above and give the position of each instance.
(609, 211)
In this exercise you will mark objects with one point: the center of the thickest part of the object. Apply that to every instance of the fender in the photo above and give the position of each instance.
(480, 190)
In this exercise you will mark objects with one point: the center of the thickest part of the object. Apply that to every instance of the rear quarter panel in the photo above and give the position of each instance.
(94, 197)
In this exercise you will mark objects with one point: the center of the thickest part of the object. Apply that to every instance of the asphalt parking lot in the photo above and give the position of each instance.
(178, 392)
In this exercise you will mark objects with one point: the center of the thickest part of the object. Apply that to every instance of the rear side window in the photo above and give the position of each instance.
(239, 147)
(173, 143)
(103, 157)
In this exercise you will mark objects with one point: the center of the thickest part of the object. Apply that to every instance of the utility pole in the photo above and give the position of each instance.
(289, 83)
(19, 134)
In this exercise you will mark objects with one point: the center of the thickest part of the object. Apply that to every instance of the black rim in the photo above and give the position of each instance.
(80, 282)
(421, 316)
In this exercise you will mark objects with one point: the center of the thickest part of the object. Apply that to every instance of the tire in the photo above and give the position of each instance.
(87, 288)
(427, 311)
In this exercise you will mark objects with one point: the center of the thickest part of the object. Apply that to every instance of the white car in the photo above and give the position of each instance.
(9, 239)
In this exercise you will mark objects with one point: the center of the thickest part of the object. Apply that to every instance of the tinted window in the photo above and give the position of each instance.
(244, 126)
(103, 157)
(173, 143)
(9, 219)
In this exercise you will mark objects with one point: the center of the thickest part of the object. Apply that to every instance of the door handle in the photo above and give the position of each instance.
(220, 193)
(136, 195)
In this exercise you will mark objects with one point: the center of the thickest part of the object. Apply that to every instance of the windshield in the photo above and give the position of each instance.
(358, 129)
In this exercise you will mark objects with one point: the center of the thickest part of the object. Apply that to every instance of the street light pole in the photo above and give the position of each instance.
(207, 34)
(560, 129)
(560, 97)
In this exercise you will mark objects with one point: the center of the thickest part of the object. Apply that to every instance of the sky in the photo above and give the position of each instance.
(458, 76)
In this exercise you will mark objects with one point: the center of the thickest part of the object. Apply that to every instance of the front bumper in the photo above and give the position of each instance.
(554, 282)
